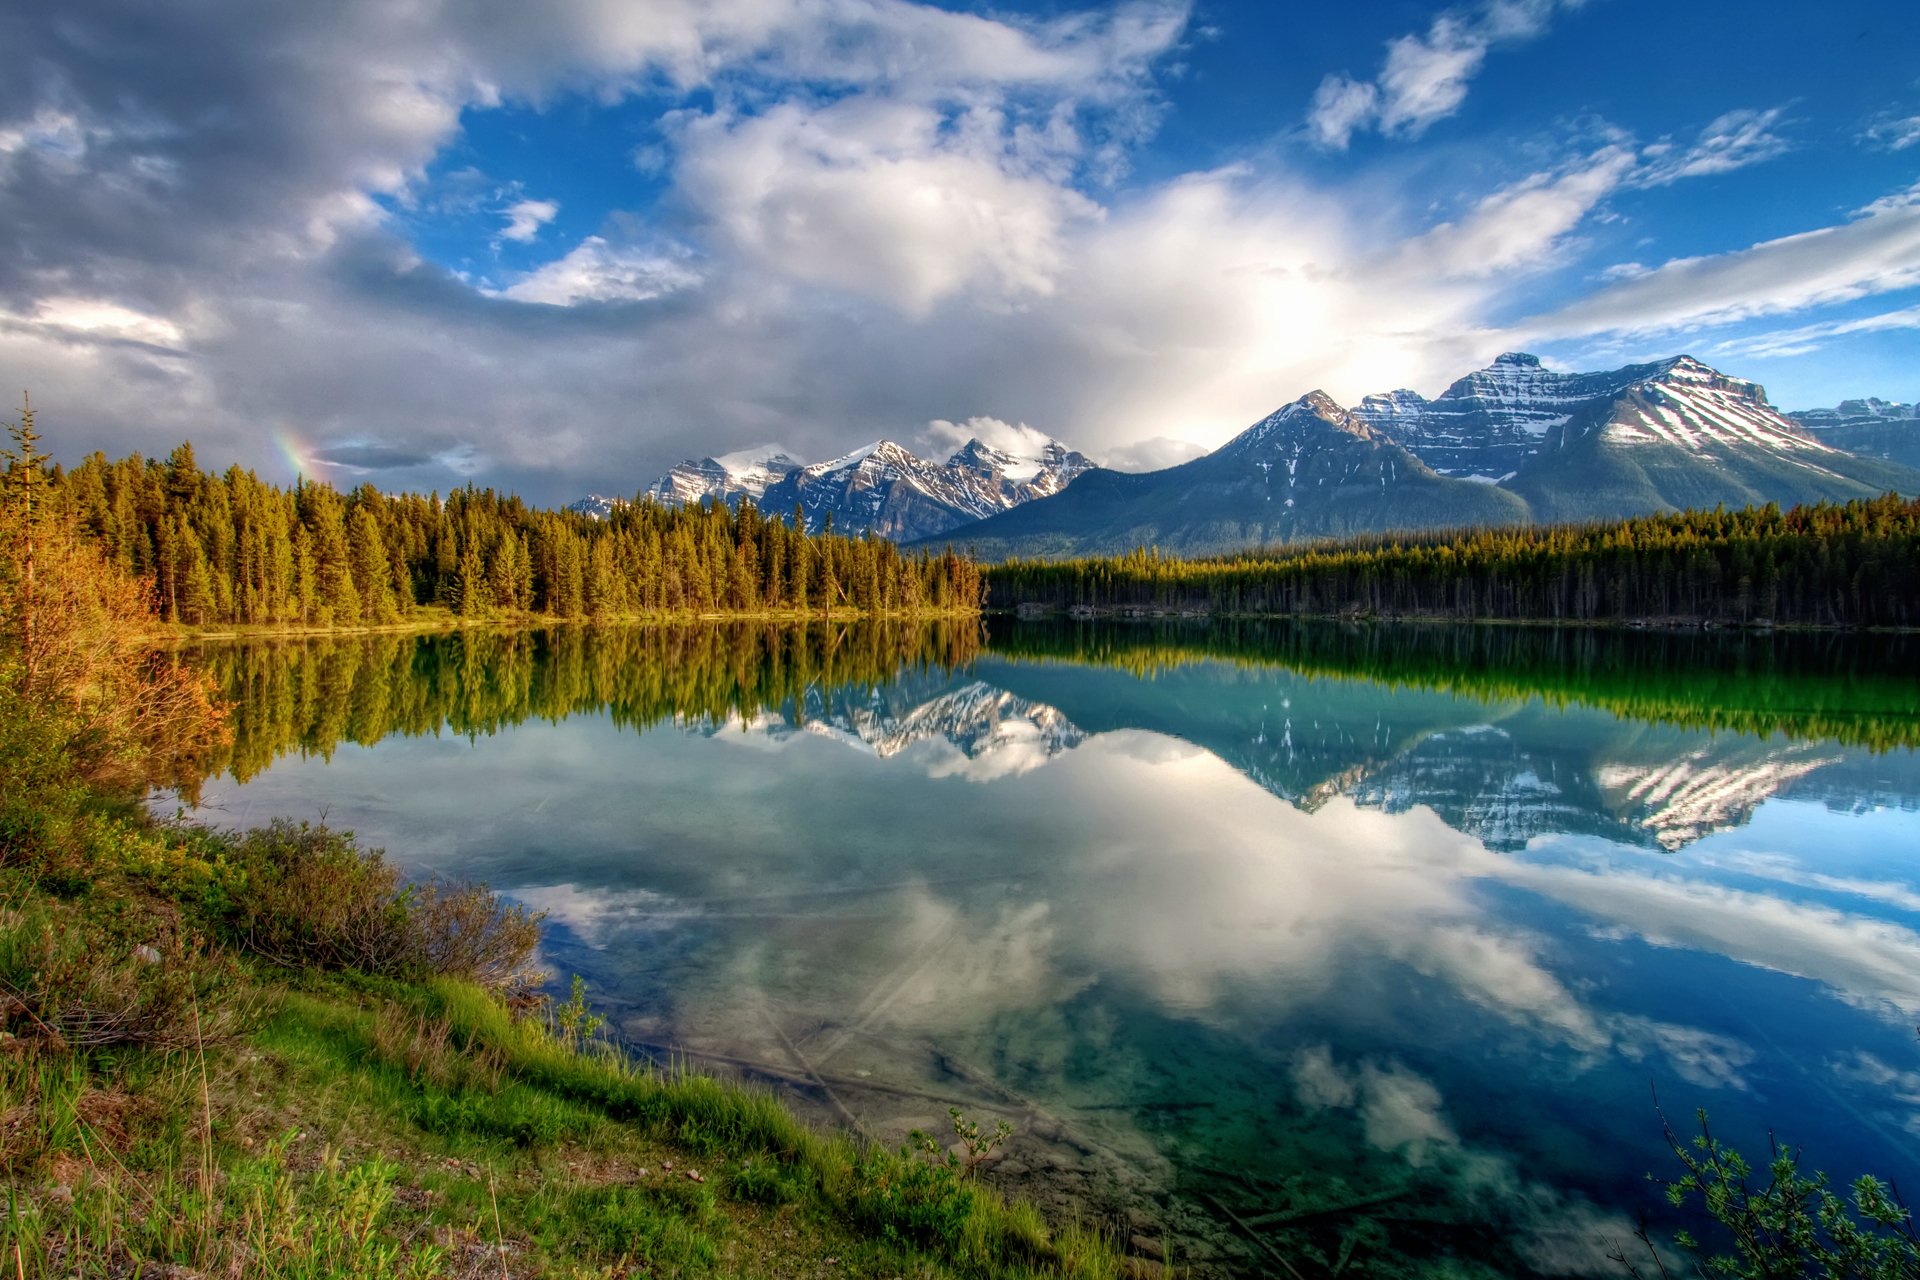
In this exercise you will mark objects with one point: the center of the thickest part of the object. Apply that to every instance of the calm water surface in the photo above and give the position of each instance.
(1340, 944)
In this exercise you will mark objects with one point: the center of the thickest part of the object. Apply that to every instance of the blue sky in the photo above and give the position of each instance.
(558, 246)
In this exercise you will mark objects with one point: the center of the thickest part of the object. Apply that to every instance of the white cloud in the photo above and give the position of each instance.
(596, 271)
(1895, 133)
(1878, 251)
(525, 218)
(93, 320)
(941, 437)
(1734, 141)
(890, 200)
(1805, 339)
(1518, 227)
(1340, 107)
(1867, 961)
(1425, 76)
(1153, 454)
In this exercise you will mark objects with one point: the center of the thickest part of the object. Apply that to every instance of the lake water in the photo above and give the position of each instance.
(1362, 947)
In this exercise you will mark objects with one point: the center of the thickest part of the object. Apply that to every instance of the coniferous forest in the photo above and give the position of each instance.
(1851, 565)
(227, 548)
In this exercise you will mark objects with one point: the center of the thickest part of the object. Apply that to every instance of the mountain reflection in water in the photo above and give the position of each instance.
(1261, 953)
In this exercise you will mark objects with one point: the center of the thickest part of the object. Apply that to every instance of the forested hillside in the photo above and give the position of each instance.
(228, 548)
(1856, 564)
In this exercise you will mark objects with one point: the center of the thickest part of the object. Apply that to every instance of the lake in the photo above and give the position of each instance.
(1365, 947)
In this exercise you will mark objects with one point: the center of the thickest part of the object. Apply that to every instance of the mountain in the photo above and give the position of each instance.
(1491, 423)
(728, 478)
(1308, 470)
(1679, 435)
(1871, 428)
(883, 488)
(1509, 444)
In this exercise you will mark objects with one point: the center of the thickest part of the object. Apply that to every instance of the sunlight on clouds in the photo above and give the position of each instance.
(888, 200)
(96, 319)
(1518, 227)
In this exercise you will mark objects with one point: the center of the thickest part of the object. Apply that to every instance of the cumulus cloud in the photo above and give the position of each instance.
(893, 201)
(525, 218)
(1017, 438)
(1425, 75)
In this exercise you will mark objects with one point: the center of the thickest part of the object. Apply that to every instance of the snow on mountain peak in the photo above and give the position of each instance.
(758, 458)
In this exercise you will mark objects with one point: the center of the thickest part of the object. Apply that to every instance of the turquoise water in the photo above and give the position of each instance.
(1259, 962)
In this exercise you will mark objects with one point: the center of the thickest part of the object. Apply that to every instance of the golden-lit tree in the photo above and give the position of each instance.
(81, 640)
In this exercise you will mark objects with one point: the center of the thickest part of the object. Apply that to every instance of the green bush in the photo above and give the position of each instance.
(70, 980)
(306, 896)
(1787, 1227)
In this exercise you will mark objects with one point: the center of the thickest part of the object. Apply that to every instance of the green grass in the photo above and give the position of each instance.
(308, 1121)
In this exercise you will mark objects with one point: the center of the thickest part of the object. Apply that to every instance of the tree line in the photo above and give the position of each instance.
(1850, 565)
(228, 548)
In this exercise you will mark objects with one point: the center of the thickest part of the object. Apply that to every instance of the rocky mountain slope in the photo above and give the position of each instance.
(881, 488)
(1308, 470)
(1512, 443)
(1872, 428)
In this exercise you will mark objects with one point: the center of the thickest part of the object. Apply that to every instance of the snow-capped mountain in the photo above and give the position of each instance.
(597, 505)
(1490, 423)
(884, 488)
(1872, 428)
(1310, 469)
(1678, 434)
(746, 473)
(881, 488)
(1509, 444)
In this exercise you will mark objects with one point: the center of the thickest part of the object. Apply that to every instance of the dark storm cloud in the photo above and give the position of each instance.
(369, 457)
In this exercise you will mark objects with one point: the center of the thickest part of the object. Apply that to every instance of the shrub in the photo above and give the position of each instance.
(69, 981)
(306, 896)
(1790, 1225)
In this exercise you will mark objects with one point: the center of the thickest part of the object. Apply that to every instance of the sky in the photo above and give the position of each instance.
(557, 245)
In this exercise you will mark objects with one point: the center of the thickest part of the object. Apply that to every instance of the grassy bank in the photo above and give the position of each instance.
(267, 1055)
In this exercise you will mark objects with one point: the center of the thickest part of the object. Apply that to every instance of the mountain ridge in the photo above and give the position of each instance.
(1513, 443)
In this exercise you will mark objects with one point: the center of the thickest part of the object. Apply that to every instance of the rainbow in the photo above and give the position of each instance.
(295, 449)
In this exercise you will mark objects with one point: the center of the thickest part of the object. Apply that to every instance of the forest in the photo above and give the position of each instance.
(229, 549)
(1851, 565)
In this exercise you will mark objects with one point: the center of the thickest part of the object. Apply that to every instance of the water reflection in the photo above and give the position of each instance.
(1264, 955)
